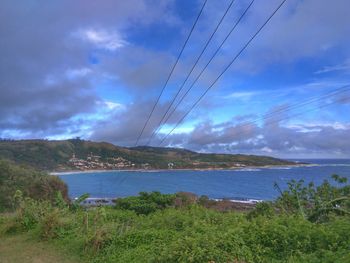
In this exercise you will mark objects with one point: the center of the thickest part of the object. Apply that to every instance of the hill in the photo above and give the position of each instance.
(81, 154)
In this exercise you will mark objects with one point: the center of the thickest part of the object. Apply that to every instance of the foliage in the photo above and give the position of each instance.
(316, 203)
(146, 203)
(31, 183)
(264, 209)
(150, 228)
(54, 155)
(76, 204)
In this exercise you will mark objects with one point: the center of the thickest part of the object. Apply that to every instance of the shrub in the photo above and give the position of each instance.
(318, 204)
(264, 209)
(149, 228)
(146, 203)
(183, 199)
(50, 224)
(33, 184)
(31, 212)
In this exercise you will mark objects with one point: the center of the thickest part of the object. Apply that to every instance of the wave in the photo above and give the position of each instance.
(249, 170)
(240, 200)
(280, 168)
(330, 165)
(110, 201)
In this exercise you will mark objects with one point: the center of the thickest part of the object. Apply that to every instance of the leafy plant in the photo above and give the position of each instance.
(76, 204)
(146, 203)
(305, 224)
(264, 209)
(31, 183)
(316, 204)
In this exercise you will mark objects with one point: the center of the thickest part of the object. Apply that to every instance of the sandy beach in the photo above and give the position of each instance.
(190, 169)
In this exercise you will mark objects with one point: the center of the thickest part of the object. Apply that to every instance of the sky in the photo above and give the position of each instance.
(94, 69)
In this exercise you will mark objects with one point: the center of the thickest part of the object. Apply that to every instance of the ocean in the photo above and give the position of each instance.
(243, 184)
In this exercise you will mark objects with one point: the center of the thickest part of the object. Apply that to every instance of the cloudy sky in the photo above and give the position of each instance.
(94, 69)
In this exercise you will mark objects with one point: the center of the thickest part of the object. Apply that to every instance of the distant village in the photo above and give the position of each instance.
(94, 162)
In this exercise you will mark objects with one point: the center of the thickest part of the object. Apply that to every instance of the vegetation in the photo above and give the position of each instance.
(317, 204)
(146, 203)
(29, 183)
(54, 155)
(23, 249)
(305, 224)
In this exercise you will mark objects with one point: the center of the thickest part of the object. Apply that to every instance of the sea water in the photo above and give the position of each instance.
(248, 183)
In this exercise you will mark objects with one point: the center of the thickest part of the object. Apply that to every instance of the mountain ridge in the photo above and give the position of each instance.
(61, 155)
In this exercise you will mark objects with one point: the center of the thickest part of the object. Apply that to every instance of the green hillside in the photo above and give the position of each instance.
(55, 155)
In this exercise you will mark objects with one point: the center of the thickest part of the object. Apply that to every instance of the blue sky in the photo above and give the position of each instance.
(94, 70)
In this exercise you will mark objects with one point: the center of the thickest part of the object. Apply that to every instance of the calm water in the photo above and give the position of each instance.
(248, 183)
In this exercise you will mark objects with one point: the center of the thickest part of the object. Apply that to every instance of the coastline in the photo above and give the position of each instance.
(102, 201)
(287, 166)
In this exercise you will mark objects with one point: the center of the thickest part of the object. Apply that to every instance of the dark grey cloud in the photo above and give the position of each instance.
(273, 138)
(267, 134)
(301, 29)
(40, 47)
(142, 71)
(124, 126)
(343, 98)
(48, 85)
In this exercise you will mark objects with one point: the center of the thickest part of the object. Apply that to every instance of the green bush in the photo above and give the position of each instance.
(265, 209)
(150, 228)
(317, 204)
(146, 203)
(33, 184)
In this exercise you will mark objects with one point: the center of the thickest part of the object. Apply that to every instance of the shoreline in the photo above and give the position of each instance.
(286, 166)
(93, 201)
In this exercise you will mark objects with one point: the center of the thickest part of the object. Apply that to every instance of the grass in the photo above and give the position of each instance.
(306, 224)
(22, 248)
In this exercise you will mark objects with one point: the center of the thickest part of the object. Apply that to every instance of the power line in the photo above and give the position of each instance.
(294, 115)
(200, 74)
(193, 67)
(298, 105)
(226, 68)
(171, 72)
(295, 106)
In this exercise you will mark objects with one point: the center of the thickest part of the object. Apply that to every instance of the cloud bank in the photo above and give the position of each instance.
(93, 69)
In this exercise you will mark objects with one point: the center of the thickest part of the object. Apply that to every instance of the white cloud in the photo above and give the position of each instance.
(77, 73)
(266, 149)
(72, 74)
(345, 67)
(113, 105)
(102, 38)
(241, 95)
(50, 80)
(312, 126)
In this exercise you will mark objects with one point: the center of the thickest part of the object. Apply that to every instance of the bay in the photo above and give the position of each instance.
(249, 183)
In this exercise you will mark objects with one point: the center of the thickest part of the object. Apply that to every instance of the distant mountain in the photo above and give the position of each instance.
(69, 154)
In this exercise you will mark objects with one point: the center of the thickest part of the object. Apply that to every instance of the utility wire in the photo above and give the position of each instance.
(294, 115)
(193, 67)
(226, 68)
(295, 106)
(202, 71)
(171, 72)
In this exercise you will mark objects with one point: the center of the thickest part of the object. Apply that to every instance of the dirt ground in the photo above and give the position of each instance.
(20, 249)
